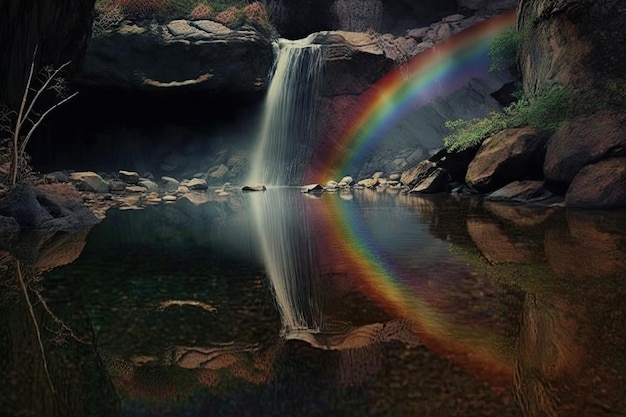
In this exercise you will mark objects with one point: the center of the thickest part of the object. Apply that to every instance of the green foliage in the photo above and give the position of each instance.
(504, 48)
(544, 111)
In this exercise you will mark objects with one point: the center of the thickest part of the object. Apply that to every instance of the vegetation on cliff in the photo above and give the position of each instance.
(232, 13)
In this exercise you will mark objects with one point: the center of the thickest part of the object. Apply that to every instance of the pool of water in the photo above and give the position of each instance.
(365, 303)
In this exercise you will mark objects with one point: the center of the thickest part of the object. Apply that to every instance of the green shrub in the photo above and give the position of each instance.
(544, 111)
(504, 48)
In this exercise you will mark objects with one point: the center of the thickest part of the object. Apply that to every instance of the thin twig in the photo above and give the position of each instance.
(58, 320)
(18, 124)
(34, 319)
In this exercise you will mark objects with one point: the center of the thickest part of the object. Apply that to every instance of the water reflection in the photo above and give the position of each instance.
(378, 305)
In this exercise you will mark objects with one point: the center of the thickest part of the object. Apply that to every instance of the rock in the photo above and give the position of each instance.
(311, 188)
(58, 176)
(182, 189)
(453, 18)
(150, 186)
(346, 181)
(170, 198)
(9, 229)
(331, 184)
(48, 206)
(135, 189)
(412, 176)
(509, 155)
(196, 184)
(256, 187)
(197, 199)
(196, 56)
(368, 182)
(218, 171)
(89, 181)
(169, 183)
(524, 191)
(117, 186)
(417, 34)
(600, 185)
(583, 141)
(394, 177)
(129, 177)
(434, 182)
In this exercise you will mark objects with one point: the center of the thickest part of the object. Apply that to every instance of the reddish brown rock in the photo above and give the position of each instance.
(601, 185)
(495, 245)
(521, 191)
(583, 141)
(509, 155)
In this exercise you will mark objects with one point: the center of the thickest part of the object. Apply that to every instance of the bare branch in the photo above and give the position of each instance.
(18, 124)
(45, 86)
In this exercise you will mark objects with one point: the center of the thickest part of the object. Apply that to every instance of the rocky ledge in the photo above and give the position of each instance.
(200, 55)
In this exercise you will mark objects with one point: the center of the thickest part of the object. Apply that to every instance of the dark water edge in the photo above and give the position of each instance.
(412, 306)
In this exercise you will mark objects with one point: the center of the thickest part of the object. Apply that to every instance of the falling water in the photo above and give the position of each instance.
(288, 122)
(284, 146)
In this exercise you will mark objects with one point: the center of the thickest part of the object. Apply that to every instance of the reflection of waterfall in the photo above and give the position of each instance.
(289, 249)
(288, 115)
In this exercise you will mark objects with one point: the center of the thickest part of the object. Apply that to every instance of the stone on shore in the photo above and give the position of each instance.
(256, 187)
(197, 184)
(129, 177)
(89, 181)
(311, 188)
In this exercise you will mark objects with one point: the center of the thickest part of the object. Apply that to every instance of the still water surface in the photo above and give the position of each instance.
(284, 304)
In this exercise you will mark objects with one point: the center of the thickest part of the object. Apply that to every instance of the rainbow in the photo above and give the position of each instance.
(436, 72)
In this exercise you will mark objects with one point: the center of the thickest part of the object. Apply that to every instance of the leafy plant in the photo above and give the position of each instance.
(504, 48)
(544, 110)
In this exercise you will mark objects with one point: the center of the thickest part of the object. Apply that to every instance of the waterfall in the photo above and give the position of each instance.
(289, 115)
(284, 147)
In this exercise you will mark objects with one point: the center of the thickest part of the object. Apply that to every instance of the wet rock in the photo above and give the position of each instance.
(170, 198)
(197, 184)
(599, 186)
(58, 176)
(117, 186)
(414, 175)
(48, 206)
(434, 182)
(149, 185)
(583, 141)
(311, 188)
(182, 189)
(89, 181)
(522, 191)
(129, 177)
(509, 155)
(368, 182)
(135, 189)
(169, 183)
(256, 187)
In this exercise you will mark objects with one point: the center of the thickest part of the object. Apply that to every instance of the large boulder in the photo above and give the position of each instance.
(193, 56)
(52, 207)
(600, 185)
(509, 155)
(582, 141)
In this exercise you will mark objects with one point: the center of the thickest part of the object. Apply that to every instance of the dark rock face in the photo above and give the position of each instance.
(59, 28)
(184, 55)
(509, 155)
(55, 207)
(601, 185)
(295, 19)
(582, 141)
(586, 44)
